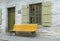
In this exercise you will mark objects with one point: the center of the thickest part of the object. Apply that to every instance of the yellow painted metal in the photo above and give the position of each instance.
(25, 27)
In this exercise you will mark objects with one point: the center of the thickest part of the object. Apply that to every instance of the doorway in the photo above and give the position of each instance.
(11, 18)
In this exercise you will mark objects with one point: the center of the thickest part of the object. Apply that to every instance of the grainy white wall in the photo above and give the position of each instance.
(4, 7)
(56, 15)
(55, 12)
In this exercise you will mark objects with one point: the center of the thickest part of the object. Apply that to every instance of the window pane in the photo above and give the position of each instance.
(35, 13)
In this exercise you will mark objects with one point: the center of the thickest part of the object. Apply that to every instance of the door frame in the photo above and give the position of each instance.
(7, 15)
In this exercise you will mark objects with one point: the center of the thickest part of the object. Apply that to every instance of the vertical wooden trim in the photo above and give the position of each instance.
(0, 16)
(35, 13)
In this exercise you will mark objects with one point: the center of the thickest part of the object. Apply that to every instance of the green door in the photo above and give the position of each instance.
(11, 18)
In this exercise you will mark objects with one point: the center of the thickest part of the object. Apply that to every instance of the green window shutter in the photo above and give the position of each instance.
(25, 13)
(0, 16)
(46, 13)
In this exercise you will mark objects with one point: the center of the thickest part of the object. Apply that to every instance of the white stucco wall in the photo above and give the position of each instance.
(55, 11)
(4, 7)
(56, 15)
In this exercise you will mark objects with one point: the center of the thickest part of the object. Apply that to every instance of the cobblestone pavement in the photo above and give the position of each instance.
(20, 38)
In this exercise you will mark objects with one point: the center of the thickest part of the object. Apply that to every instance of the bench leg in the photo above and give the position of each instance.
(15, 33)
(33, 33)
(11, 34)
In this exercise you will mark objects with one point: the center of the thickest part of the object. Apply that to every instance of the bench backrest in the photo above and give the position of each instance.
(25, 27)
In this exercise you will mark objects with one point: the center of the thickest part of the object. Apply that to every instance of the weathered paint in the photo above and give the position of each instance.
(11, 18)
(46, 13)
(24, 14)
(25, 28)
(0, 16)
(17, 3)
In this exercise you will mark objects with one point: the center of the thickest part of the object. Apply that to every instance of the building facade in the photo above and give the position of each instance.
(25, 12)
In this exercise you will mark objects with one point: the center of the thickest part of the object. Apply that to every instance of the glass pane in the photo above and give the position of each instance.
(35, 13)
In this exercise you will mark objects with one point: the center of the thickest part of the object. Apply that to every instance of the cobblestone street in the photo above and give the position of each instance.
(21, 38)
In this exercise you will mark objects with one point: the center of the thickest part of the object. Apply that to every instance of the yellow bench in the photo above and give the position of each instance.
(25, 28)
